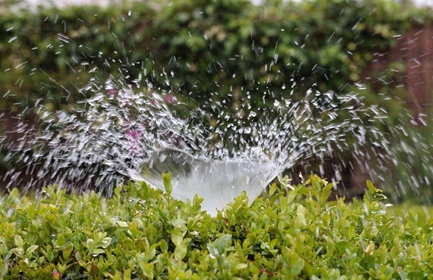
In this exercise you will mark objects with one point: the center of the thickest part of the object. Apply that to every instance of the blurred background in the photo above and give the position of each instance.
(250, 53)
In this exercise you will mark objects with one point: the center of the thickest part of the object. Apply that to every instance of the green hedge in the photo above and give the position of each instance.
(52, 54)
(140, 233)
(208, 50)
(255, 54)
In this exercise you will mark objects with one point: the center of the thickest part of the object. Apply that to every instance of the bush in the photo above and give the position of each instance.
(241, 55)
(210, 51)
(51, 55)
(140, 232)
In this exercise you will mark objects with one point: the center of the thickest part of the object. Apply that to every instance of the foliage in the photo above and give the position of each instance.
(243, 56)
(289, 232)
(49, 56)
(211, 51)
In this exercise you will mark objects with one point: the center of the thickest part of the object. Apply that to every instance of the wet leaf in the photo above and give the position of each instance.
(167, 183)
(19, 242)
(300, 213)
(31, 249)
(90, 244)
(180, 251)
(177, 236)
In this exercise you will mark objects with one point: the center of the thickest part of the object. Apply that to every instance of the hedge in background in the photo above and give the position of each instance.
(251, 55)
(211, 51)
(50, 55)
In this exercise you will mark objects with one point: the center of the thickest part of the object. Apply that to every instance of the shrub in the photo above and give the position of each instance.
(140, 232)
(51, 55)
(210, 51)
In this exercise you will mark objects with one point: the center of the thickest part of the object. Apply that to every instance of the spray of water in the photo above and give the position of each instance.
(123, 132)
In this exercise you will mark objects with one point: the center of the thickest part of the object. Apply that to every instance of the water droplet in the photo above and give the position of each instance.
(12, 39)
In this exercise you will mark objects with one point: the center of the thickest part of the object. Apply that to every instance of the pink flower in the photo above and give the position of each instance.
(111, 91)
(134, 133)
(169, 98)
(134, 149)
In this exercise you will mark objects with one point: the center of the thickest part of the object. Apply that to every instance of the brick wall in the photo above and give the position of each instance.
(415, 51)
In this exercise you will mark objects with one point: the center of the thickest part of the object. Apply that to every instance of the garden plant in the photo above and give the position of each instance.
(290, 232)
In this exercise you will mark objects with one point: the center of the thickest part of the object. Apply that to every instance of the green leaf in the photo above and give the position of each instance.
(416, 275)
(146, 268)
(31, 249)
(403, 275)
(295, 263)
(180, 251)
(272, 189)
(106, 242)
(222, 243)
(61, 240)
(3, 248)
(90, 244)
(326, 192)
(145, 189)
(122, 224)
(213, 252)
(167, 183)
(19, 242)
(98, 251)
(300, 214)
(48, 253)
(177, 236)
(341, 246)
(296, 267)
(77, 256)
(163, 245)
(373, 194)
(371, 188)
(180, 224)
(241, 266)
(117, 191)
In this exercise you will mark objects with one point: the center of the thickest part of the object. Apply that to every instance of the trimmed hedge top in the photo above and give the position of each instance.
(290, 232)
